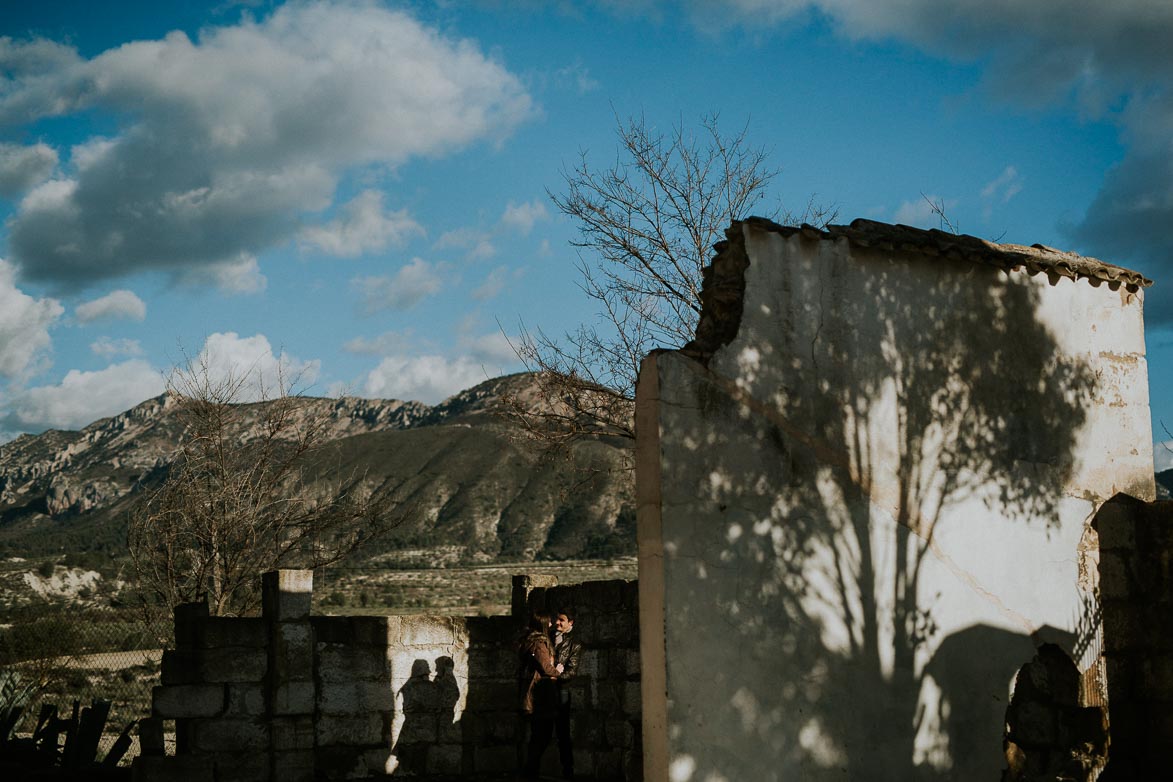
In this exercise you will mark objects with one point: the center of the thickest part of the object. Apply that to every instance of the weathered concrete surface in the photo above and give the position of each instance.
(867, 510)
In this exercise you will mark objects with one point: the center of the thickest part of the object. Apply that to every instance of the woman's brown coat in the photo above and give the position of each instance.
(536, 674)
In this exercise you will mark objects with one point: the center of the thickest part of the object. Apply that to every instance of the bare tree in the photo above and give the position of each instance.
(646, 225)
(235, 502)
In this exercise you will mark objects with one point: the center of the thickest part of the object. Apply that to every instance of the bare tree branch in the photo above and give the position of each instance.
(646, 227)
(235, 502)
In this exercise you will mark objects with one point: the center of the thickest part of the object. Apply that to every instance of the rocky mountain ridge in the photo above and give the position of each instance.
(462, 468)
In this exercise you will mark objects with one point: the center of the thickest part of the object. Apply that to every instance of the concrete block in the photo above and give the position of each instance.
(632, 700)
(618, 629)
(378, 761)
(492, 695)
(229, 735)
(603, 596)
(286, 594)
(352, 630)
(291, 698)
(150, 736)
(618, 733)
(291, 733)
(355, 697)
(491, 630)
(370, 630)
(187, 700)
(630, 595)
(445, 759)
(233, 665)
(609, 764)
(494, 760)
(491, 662)
(292, 651)
(350, 763)
(362, 730)
(1158, 678)
(243, 767)
(1115, 576)
(341, 663)
(181, 666)
(164, 768)
(217, 631)
(1123, 627)
(426, 631)
(294, 765)
(245, 700)
(187, 618)
(631, 665)
(609, 696)
(1116, 525)
(418, 728)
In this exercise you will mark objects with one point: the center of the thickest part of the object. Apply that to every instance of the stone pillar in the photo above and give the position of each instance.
(289, 686)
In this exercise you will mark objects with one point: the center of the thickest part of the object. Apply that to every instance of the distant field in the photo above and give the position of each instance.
(453, 591)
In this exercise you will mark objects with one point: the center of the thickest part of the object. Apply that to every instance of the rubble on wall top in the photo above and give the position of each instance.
(1034, 259)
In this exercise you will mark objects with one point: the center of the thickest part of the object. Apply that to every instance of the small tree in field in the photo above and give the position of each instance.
(234, 503)
(647, 225)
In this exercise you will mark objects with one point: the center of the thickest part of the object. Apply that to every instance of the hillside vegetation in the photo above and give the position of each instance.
(461, 476)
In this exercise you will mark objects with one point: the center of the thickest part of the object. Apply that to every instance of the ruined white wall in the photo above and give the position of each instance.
(867, 510)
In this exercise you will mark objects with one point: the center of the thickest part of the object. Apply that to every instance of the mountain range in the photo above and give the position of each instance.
(470, 484)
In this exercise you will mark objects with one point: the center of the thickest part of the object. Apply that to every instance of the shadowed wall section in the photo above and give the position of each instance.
(1136, 585)
(292, 696)
(882, 451)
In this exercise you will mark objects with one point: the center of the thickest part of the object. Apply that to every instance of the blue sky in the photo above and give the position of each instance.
(358, 189)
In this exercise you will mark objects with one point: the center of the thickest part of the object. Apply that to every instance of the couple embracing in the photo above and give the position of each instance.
(547, 664)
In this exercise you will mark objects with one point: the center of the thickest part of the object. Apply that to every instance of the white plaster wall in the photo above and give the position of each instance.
(847, 592)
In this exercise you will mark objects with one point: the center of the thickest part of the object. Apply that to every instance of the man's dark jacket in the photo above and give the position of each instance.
(567, 653)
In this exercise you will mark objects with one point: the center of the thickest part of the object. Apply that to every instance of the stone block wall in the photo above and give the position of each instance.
(290, 696)
(1136, 594)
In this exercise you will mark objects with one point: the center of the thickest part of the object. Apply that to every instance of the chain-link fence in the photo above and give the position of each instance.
(59, 658)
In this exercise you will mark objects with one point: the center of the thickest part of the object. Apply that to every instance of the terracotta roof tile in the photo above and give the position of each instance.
(1035, 259)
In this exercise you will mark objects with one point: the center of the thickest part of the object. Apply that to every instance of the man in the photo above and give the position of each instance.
(567, 651)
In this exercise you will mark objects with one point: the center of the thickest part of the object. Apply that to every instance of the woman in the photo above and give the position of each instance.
(538, 693)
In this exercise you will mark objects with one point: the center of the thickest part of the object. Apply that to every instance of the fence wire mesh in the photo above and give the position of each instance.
(60, 658)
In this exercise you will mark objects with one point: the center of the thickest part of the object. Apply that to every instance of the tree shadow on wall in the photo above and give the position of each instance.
(832, 461)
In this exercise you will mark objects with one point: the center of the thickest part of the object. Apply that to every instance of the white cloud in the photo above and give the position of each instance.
(24, 326)
(362, 227)
(477, 244)
(236, 136)
(921, 212)
(492, 349)
(235, 277)
(410, 285)
(427, 379)
(492, 285)
(109, 348)
(1163, 456)
(114, 305)
(83, 397)
(386, 344)
(522, 217)
(21, 167)
(251, 361)
(1000, 190)
(578, 76)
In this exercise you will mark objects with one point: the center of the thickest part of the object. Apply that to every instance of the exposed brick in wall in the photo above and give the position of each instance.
(290, 696)
(1136, 593)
